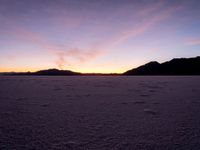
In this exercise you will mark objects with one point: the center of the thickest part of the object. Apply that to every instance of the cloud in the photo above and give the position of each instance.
(68, 55)
(193, 42)
(78, 56)
(60, 62)
(65, 55)
(151, 21)
(61, 51)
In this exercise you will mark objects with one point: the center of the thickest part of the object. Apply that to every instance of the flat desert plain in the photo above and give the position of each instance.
(100, 113)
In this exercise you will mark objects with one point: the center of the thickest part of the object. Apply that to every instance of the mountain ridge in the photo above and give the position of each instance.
(176, 66)
(47, 72)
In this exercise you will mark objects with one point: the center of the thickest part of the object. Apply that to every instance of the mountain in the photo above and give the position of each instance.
(178, 66)
(49, 72)
(55, 72)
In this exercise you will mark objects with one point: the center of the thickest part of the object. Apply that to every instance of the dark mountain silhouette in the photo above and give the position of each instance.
(49, 72)
(55, 72)
(178, 66)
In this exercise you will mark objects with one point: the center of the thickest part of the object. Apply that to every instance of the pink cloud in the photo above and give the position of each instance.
(67, 22)
(60, 62)
(193, 42)
(63, 53)
(146, 25)
(151, 9)
(79, 56)
(66, 55)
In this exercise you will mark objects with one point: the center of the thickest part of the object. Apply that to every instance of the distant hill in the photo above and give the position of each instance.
(49, 72)
(56, 72)
(178, 66)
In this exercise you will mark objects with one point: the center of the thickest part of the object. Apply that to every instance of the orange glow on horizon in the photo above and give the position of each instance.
(97, 70)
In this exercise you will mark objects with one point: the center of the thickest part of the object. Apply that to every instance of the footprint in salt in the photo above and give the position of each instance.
(155, 103)
(139, 102)
(71, 144)
(144, 95)
(150, 111)
(21, 99)
(57, 89)
(135, 102)
(45, 105)
(152, 91)
(124, 103)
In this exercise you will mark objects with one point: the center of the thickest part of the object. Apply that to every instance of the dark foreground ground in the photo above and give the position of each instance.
(99, 113)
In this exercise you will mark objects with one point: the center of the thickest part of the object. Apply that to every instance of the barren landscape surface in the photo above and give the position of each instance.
(100, 112)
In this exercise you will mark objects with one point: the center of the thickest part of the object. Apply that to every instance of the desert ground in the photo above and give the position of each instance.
(100, 113)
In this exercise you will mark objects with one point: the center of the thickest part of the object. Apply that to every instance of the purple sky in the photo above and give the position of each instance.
(96, 35)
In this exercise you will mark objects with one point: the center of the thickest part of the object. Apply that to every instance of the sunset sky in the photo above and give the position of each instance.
(96, 35)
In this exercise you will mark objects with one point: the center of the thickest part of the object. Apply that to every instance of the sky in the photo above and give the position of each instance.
(96, 36)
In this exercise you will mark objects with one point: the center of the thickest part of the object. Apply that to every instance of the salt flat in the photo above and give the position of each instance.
(100, 112)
